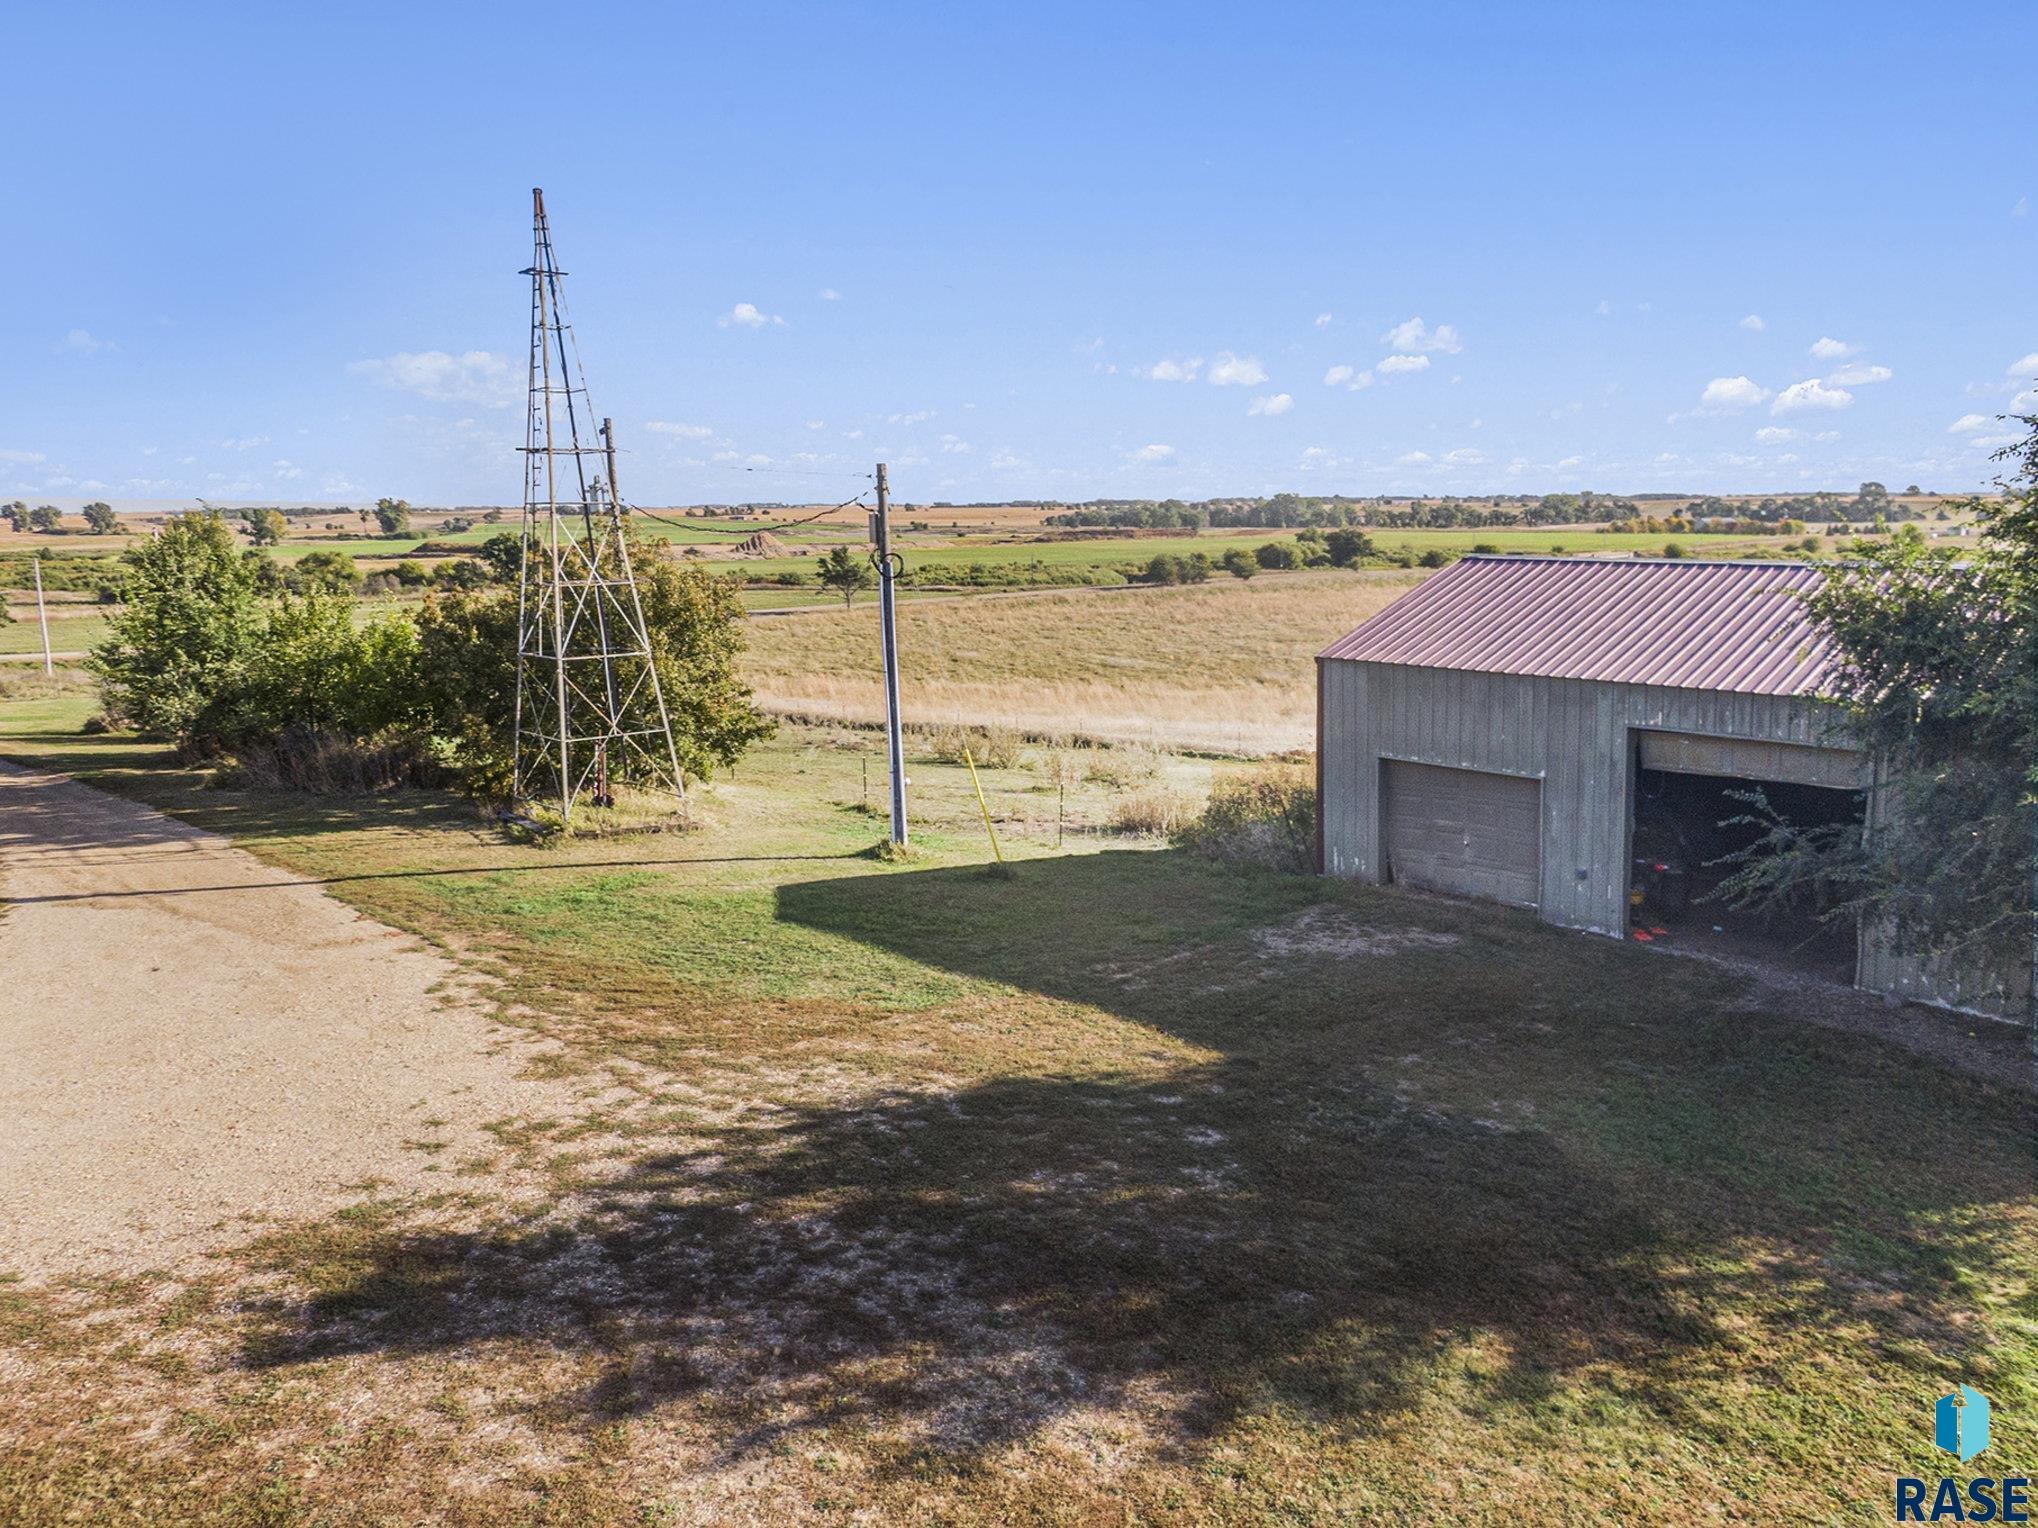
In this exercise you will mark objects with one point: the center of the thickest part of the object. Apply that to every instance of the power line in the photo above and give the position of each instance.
(747, 529)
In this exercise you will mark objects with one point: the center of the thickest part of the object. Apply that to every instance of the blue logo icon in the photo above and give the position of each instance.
(1961, 1422)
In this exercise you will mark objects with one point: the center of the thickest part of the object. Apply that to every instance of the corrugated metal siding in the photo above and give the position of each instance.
(1733, 626)
(1574, 736)
(1571, 734)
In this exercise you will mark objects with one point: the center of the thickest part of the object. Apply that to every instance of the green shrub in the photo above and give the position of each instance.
(1267, 818)
(467, 671)
(1435, 557)
(1347, 548)
(1278, 556)
(1239, 563)
(323, 572)
(1675, 549)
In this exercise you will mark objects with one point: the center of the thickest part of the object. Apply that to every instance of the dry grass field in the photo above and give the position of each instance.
(1224, 666)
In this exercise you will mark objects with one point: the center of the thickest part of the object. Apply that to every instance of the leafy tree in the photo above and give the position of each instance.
(265, 526)
(392, 517)
(503, 554)
(325, 572)
(1239, 563)
(308, 666)
(1281, 555)
(412, 574)
(461, 573)
(183, 640)
(845, 572)
(17, 516)
(46, 518)
(1348, 548)
(264, 571)
(467, 659)
(101, 519)
(1938, 681)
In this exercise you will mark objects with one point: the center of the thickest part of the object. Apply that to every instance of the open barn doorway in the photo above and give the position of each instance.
(1688, 829)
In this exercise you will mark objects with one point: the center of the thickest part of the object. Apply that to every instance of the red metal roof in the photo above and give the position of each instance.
(1692, 625)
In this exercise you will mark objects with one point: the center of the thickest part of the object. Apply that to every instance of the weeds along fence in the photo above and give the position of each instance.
(1248, 721)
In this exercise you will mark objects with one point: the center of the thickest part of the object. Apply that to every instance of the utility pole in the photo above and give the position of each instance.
(42, 615)
(887, 570)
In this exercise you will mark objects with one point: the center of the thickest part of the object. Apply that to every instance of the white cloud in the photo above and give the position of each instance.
(918, 416)
(1153, 453)
(85, 343)
(2022, 209)
(1827, 348)
(245, 443)
(829, 294)
(1810, 394)
(1336, 375)
(1967, 424)
(1395, 364)
(1006, 459)
(285, 470)
(1413, 459)
(22, 458)
(681, 431)
(746, 315)
(474, 376)
(1774, 435)
(1230, 370)
(2025, 367)
(1732, 393)
(1858, 375)
(1172, 370)
(1753, 323)
(1570, 461)
(1322, 319)
(1604, 308)
(1994, 442)
(1279, 403)
(1464, 456)
(2025, 402)
(954, 445)
(1414, 335)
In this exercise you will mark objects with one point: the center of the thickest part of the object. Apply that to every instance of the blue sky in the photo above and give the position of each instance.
(1040, 251)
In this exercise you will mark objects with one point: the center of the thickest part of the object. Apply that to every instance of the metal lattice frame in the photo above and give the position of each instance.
(588, 695)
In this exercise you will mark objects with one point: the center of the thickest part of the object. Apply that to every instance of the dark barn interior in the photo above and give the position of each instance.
(1686, 834)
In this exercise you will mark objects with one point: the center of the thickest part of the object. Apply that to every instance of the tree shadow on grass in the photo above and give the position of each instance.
(1349, 1164)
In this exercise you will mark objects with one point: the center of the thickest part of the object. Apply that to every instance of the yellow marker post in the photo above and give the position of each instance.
(982, 806)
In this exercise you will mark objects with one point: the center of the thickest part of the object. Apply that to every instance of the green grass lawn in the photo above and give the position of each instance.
(1132, 1187)
(68, 633)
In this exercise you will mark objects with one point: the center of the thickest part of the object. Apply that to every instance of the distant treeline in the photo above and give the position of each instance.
(1288, 511)
(1293, 511)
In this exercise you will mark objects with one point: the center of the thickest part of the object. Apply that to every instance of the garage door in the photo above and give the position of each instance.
(1463, 831)
(1791, 763)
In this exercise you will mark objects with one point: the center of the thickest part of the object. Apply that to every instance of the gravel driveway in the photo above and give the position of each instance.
(193, 1043)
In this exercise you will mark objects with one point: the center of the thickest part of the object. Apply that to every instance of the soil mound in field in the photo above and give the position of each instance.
(761, 544)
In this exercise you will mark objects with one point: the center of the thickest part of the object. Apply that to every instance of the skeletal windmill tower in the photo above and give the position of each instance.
(589, 707)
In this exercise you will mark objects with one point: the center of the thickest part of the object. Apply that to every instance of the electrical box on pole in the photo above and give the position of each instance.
(887, 573)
